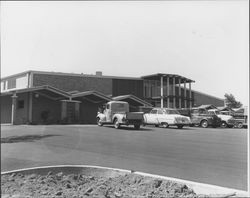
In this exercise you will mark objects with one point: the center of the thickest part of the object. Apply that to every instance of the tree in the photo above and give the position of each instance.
(231, 101)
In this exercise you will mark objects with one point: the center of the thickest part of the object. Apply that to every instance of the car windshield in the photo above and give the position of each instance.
(215, 112)
(171, 111)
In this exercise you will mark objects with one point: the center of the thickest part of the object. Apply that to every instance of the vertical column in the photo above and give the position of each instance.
(185, 95)
(64, 110)
(179, 93)
(161, 91)
(167, 92)
(13, 109)
(30, 107)
(174, 106)
(190, 96)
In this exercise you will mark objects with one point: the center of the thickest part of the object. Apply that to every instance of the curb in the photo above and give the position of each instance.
(199, 188)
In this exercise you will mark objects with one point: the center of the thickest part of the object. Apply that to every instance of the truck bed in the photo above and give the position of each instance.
(134, 115)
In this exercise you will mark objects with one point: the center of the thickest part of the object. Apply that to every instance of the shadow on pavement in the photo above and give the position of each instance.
(128, 128)
(24, 138)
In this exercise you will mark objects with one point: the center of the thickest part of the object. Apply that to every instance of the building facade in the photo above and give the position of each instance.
(37, 97)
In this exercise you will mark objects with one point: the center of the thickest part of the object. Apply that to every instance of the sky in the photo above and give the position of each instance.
(206, 41)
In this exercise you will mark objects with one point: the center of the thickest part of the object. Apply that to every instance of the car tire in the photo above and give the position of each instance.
(240, 125)
(156, 125)
(180, 126)
(116, 124)
(98, 121)
(165, 125)
(137, 126)
(223, 124)
(204, 124)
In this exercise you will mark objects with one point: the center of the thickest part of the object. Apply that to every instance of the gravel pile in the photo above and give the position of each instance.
(128, 185)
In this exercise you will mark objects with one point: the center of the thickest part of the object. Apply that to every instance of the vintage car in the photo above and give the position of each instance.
(117, 113)
(202, 117)
(226, 120)
(166, 117)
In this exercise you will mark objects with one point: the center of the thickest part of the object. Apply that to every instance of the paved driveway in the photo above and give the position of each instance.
(213, 156)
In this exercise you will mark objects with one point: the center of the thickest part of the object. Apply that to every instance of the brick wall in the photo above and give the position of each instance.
(71, 83)
(41, 104)
(127, 86)
(88, 112)
(6, 109)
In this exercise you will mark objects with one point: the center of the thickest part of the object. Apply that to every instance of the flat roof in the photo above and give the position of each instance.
(69, 74)
(149, 77)
(158, 75)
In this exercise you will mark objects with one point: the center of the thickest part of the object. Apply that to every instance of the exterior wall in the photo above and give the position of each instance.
(6, 105)
(72, 83)
(200, 99)
(127, 86)
(88, 112)
(22, 113)
(43, 104)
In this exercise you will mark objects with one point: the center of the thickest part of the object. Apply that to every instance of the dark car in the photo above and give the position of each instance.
(204, 118)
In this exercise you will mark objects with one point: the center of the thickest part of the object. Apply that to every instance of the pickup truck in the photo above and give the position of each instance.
(117, 113)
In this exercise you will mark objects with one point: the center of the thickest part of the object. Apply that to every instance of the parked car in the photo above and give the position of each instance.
(241, 117)
(226, 120)
(166, 117)
(117, 113)
(202, 117)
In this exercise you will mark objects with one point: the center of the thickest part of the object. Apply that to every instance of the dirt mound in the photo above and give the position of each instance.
(61, 184)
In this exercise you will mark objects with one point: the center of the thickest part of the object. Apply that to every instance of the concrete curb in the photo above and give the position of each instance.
(199, 188)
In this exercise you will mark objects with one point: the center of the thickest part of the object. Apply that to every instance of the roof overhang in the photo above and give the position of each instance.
(209, 106)
(92, 96)
(132, 100)
(45, 90)
(159, 75)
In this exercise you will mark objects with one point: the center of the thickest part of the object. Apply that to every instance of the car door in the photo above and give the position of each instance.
(107, 113)
(195, 116)
(151, 118)
(161, 117)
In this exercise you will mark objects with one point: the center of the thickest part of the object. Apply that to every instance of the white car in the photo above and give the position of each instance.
(166, 117)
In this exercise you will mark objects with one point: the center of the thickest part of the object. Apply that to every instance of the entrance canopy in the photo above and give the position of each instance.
(132, 100)
(92, 96)
(159, 75)
(45, 90)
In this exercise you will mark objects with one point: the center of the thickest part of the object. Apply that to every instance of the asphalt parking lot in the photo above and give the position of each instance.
(212, 156)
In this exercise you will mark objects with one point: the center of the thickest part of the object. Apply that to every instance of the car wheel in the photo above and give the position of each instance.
(98, 121)
(204, 124)
(156, 125)
(240, 125)
(116, 124)
(180, 126)
(165, 125)
(223, 125)
(137, 126)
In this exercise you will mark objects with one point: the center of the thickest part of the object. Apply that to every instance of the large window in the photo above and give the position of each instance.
(11, 83)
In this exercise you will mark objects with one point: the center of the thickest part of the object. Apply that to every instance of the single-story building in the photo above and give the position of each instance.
(37, 97)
